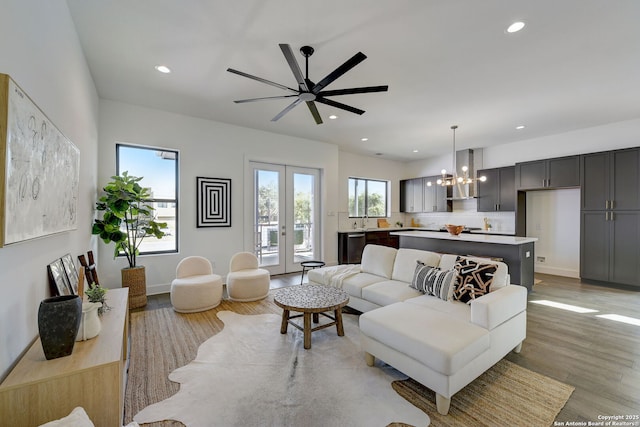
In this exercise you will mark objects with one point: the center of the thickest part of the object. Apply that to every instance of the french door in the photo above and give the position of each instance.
(286, 212)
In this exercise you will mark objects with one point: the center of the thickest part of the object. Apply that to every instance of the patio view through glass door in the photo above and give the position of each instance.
(286, 213)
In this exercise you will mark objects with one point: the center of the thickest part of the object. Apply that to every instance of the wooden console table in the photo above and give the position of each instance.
(39, 390)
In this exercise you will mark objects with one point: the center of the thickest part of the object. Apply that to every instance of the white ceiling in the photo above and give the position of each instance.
(575, 65)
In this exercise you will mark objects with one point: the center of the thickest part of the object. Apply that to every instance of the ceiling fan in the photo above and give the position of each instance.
(309, 91)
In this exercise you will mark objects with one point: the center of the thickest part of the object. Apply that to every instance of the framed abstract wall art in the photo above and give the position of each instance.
(213, 202)
(39, 170)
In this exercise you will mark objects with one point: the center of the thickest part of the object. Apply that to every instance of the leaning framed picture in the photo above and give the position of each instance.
(58, 278)
(213, 202)
(71, 272)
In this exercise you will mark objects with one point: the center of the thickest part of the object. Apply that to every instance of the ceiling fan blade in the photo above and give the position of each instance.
(354, 90)
(349, 64)
(261, 80)
(286, 110)
(295, 68)
(240, 101)
(340, 105)
(314, 112)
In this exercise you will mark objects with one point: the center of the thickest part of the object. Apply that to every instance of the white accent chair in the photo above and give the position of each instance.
(245, 281)
(195, 287)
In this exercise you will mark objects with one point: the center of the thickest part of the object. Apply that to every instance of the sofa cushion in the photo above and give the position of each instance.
(500, 277)
(353, 285)
(388, 292)
(378, 260)
(457, 309)
(405, 263)
(473, 279)
(433, 338)
(433, 281)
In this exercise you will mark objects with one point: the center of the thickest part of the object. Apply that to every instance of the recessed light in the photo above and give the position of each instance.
(163, 69)
(415, 151)
(519, 127)
(333, 117)
(364, 139)
(515, 27)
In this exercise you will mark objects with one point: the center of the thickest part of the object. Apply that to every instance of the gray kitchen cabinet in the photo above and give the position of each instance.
(411, 195)
(610, 227)
(610, 247)
(611, 180)
(560, 172)
(497, 193)
(436, 197)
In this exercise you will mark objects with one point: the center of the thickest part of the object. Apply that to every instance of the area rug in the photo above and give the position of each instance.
(250, 374)
(506, 394)
(162, 341)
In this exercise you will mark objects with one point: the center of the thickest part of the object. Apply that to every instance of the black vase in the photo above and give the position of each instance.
(58, 323)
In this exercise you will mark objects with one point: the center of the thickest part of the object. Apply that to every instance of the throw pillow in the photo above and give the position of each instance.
(439, 283)
(473, 279)
(419, 276)
(433, 281)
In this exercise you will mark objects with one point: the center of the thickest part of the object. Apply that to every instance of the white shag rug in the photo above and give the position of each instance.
(250, 374)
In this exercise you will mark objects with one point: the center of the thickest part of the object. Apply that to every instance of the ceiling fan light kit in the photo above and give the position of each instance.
(308, 91)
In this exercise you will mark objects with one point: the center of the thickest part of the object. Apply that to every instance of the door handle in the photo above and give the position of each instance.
(352, 236)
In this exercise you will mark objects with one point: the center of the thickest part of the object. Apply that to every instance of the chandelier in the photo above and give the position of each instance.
(454, 178)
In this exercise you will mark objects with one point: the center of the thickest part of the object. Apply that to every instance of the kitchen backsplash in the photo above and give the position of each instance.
(464, 213)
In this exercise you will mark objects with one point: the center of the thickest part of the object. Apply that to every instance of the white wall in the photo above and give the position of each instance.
(208, 149)
(40, 50)
(553, 217)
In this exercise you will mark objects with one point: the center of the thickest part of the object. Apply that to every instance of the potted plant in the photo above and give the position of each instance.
(126, 220)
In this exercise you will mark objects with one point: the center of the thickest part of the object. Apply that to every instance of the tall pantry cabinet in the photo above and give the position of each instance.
(610, 211)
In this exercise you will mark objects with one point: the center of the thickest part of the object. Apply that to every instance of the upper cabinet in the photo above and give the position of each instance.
(436, 197)
(411, 194)
(498, 192)
(560, 172)
(610, 180)
(424, 195)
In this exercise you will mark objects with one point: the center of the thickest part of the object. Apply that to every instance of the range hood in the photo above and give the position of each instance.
(472, 159)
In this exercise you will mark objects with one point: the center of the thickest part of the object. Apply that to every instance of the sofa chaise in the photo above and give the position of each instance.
(443, 339)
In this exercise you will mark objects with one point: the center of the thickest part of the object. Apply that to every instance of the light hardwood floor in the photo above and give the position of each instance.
(599, 357)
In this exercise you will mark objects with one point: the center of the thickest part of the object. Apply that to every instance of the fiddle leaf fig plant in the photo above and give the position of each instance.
(127, 217)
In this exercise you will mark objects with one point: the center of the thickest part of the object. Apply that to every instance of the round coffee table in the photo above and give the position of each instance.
(311, 300)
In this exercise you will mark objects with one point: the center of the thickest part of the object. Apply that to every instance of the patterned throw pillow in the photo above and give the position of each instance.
(473, 279)
(433, 281)
(419, 276)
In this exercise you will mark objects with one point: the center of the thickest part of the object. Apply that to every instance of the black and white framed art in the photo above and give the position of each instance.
(214, 202)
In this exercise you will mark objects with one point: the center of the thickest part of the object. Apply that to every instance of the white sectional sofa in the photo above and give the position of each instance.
(443, 344)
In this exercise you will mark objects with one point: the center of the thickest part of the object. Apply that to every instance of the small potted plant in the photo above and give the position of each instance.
(96, 293)
(126, 220)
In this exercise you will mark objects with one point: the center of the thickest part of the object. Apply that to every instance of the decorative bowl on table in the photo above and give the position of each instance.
(454, 230)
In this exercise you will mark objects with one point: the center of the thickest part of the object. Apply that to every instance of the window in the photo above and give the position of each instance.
(368, 197)
(159, 170)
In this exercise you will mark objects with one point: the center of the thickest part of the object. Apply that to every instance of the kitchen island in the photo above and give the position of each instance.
(516, 252)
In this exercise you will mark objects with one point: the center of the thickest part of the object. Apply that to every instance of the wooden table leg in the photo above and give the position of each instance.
(316, 318)
(285, 321)
(307, 330)
(339, 326)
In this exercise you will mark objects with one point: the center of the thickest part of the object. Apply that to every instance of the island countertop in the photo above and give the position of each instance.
(468, 237)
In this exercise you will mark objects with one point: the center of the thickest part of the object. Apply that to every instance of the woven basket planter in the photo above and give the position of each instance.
(135, 279)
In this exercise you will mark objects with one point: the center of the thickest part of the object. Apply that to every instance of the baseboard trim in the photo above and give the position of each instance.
(557, 271)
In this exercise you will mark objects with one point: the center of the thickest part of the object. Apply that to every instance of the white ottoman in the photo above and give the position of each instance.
(196, 293)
